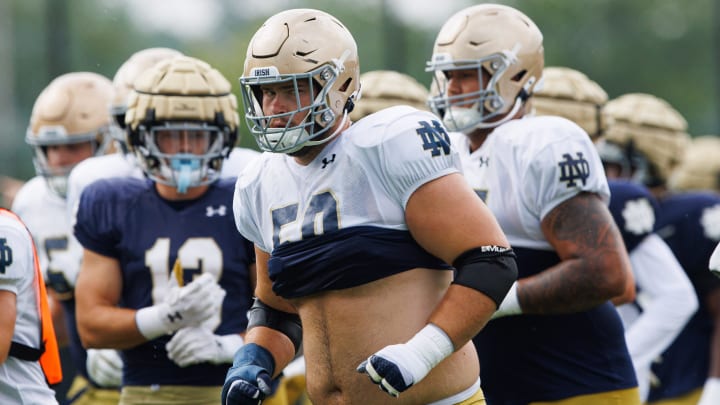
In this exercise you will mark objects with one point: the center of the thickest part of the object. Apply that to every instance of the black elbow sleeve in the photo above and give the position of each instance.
(284, 322)
(488, 269)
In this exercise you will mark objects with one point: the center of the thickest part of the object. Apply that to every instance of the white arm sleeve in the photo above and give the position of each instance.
(667, 298)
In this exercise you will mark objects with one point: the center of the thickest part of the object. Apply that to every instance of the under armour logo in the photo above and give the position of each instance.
(6, 257)
(221, 210)
(483, 161)
(574, 169)
(434, 138)
(175, 317)
(326, 162)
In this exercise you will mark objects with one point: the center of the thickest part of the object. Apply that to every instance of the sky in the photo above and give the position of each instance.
(190, 19)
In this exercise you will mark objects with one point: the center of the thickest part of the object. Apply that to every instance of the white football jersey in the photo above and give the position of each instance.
(45, 214)
(21, 382)
(527, 167)
(363, 178)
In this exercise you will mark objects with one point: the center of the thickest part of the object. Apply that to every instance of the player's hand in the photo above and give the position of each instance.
(194, 303)
(248, 381)
(385, 368)
(190, 305)
(396, 368)
(195, 345)
(104, 367)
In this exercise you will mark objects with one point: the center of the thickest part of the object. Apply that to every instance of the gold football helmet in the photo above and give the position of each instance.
(496, 39)
(73, 108)
(386, 88)
(182, 122)
(700, 169)
(571, 94)
(650, 131)
(300, 45)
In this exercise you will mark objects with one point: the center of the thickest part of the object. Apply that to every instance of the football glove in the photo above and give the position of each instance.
(197, 345)
(249, 381)
(396, 368)
(104, 367)
(184, 306)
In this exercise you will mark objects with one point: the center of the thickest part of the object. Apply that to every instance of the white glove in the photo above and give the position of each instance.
(711, 392)
(184, 306)
(396, 368)
(198, 345)
(104, 366)
(510, 305)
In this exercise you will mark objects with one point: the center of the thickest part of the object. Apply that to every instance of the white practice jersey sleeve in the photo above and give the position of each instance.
(666, 296)
(363, 178)
(21, 382)
(527, 167)
(715, 261)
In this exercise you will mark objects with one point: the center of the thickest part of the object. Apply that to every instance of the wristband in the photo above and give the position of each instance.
(510, 305)
(149, 322)
(431, 346)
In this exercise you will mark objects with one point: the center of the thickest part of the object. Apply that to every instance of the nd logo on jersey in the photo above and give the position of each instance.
(6, 257)
(572, 170)
(434, 138)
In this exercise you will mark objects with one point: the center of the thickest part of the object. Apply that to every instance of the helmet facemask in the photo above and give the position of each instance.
(468, 111)
(318, 116)
(182, 154)
(56, 135)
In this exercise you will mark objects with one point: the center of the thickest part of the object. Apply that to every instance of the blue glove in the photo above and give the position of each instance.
(248, 381)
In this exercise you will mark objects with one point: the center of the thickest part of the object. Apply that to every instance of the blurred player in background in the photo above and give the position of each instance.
(665, 298)
(645, 141)
(381, 89)
(161, 253)
(29, 357)
(70, 122)
(556, 336)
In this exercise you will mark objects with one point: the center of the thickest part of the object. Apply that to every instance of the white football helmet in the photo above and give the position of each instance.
(123, 83)
(499, 40)
(182, 122)
(300, 45)
(73, 108)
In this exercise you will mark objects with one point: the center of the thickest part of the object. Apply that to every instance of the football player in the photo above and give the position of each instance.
(556, 336)
(160, 253)
(70, 122)
(646, 140)
(351, 237)
(24, 369)
(665, 298)
(101, 370)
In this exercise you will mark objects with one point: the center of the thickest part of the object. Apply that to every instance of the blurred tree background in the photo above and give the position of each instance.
(668, 48)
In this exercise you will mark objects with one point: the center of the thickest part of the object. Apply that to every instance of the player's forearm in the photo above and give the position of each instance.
(281, 347)
(573, 285)
(462, 313)
(109, 328)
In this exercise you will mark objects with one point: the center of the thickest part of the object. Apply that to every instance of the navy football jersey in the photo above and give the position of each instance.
(690, 224)
(634, 210)
(127, 220)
